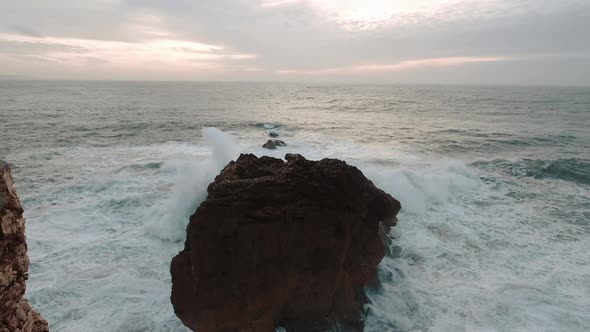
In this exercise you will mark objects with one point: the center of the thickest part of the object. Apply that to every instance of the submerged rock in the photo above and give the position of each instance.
(273, 134)
(278, 243)
(270, 144)
(15, 312)
(273, 143)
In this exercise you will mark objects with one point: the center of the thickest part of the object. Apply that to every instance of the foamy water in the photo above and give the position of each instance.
(493, 234)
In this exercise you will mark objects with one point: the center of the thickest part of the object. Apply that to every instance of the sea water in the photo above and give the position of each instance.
(494, 234)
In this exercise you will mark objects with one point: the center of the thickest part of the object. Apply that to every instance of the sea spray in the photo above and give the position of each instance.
(222, 146)
(420, 188)
(168, 220)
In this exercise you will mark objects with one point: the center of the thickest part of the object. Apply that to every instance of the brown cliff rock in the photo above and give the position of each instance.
(16, 314)
(282, 243)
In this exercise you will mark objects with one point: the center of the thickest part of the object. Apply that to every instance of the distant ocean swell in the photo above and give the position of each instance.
(494, 182)
(575, 170)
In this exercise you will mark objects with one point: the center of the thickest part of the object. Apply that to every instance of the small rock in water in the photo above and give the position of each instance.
(273, 134)
(270, 144)
(273, 143)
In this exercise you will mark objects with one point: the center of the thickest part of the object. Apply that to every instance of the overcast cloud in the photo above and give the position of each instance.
(418, 41)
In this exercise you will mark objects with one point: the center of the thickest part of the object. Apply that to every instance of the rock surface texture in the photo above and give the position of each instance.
(277, 243)
(15, 312)
(273, 143)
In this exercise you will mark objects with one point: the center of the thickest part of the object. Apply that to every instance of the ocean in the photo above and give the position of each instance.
(494, 234)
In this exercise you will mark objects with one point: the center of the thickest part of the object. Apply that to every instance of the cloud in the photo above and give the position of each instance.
(23, 30)
(370, 15)
(169, 52)
(381, 40)
(276, 3)
(400, 66)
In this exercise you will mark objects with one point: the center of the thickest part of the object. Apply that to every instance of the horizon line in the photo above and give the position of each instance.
(295, 82)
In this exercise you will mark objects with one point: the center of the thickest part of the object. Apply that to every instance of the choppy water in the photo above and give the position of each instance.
(494, 234)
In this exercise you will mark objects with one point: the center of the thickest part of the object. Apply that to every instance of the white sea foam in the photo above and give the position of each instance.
(475, 257)
(477, 250)
(421, 188)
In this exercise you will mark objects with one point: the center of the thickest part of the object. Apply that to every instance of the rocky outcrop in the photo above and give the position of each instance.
(16, 314)
(273, 143)
(278, 243)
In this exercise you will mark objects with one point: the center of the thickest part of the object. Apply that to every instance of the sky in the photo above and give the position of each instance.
(518, 42)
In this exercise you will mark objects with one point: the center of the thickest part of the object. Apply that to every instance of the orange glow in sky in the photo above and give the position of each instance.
(177, 53)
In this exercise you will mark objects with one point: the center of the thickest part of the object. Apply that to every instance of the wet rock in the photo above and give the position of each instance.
(278, 243)
(273, 134)
(270, 144)
(15, 312)
(273, 143)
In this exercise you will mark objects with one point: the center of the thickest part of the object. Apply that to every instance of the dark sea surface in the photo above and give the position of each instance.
(494, 234)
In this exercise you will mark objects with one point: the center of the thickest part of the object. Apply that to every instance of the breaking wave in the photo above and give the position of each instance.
(167, 220)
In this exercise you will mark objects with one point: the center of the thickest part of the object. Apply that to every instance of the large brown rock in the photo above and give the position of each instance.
(16, 314)
(282, 243)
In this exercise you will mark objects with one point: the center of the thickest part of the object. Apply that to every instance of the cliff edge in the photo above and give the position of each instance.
(16, 315)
